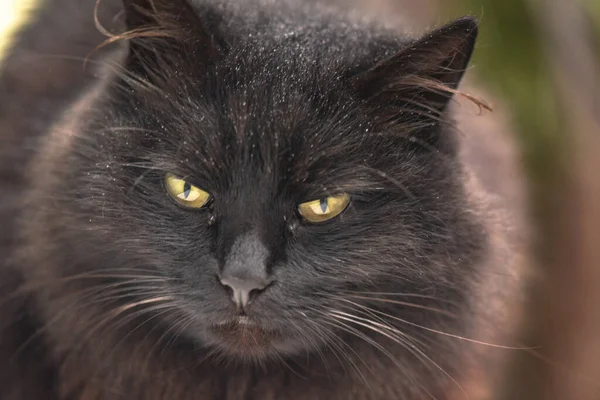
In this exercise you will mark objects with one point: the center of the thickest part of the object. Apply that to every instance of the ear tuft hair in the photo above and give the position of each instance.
(161, 31)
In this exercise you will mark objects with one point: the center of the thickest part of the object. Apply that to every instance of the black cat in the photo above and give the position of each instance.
(244, 200)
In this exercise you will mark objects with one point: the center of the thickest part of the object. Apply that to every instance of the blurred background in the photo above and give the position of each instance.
(539, 63)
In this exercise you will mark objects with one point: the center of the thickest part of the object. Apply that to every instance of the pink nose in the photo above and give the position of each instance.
(243, 290)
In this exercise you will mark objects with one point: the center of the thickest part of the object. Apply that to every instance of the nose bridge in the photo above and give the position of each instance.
(247, 257)
(249, 222)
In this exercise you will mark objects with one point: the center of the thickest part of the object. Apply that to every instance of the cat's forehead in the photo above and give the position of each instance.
(272, 131)
(279, 69)
(260, 100)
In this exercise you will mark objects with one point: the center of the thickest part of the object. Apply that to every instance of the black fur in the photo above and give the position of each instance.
(264, 107)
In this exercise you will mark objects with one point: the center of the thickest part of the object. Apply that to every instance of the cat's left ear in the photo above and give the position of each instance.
(159, 29)
(421, 78)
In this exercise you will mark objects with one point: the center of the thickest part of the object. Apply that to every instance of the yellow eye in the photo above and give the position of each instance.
(324, 209)
(185, 193)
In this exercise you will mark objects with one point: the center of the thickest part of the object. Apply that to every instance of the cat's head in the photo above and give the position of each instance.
(258, 188)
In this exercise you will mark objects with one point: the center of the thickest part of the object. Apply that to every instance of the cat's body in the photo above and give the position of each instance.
(265, 107)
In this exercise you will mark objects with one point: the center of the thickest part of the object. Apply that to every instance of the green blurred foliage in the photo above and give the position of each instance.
(593, 9)
(510, 60)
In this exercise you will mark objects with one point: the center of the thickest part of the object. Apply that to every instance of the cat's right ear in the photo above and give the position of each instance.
(161, 31)
(415, 85)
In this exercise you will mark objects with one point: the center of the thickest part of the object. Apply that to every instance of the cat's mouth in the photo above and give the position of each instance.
(243, 335)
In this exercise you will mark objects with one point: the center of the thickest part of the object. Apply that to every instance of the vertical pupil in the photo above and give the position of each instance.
(186, 189)
(323, 204)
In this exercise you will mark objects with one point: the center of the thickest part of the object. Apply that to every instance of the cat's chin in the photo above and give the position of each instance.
(241, 338)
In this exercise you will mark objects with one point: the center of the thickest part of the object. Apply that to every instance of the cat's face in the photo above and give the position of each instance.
(195, 198)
